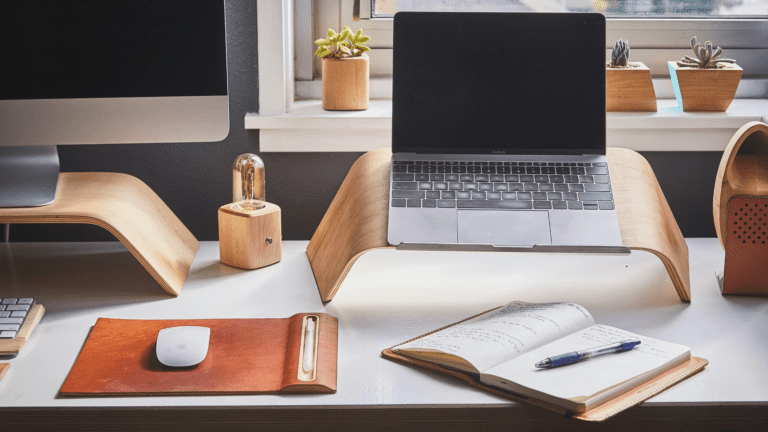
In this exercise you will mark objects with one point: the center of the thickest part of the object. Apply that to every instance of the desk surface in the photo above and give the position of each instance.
(389, 297)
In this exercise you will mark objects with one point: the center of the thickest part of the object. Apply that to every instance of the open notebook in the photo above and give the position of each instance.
(499, 348)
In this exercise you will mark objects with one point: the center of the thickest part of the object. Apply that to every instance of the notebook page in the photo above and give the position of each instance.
(589, 377)
(499, 335)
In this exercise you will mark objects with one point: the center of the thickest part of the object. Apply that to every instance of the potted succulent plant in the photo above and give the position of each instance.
(628, 84)
(706, 82)
(346, 70)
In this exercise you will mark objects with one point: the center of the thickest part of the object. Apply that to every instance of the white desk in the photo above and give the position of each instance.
(388, 297)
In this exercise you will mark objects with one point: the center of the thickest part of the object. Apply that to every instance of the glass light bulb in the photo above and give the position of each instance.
(248, 183)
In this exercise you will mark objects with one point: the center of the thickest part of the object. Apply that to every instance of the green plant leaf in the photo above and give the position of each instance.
(322, 42)
(331, 33)
(364, 48)
(362, 39)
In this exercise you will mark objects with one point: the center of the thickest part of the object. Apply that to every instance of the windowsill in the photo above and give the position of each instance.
(309, 128)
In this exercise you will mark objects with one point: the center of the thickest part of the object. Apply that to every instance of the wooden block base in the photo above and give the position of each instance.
(13, 346)
(356, 222)
(250, 239)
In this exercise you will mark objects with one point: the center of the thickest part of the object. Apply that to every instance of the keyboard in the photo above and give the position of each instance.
(502, 185)
(13, 312)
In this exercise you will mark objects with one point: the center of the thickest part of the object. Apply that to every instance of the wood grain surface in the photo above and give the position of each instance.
(131, 211)
(630, 89)
(243, 236)
(356, 223)
(346, 83)
(3, 369)
(245, 356)
(13, 346)
(706, 89)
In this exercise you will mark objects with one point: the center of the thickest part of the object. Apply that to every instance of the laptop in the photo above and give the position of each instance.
(498, 133)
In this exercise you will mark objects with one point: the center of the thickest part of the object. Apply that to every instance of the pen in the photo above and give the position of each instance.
(573, 357)
(309, 345)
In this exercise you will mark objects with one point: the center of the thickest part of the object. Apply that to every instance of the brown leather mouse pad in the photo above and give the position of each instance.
(245, 356)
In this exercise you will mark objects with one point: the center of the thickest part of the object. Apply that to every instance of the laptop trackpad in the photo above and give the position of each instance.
(504, 228)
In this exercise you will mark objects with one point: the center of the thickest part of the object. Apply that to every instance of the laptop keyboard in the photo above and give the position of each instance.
(13, 312)
(502, 185)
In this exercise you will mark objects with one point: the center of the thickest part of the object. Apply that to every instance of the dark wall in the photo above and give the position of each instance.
(194, 179)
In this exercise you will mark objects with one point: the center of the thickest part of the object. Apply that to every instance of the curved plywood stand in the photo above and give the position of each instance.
(356, 223)
(743, 171)
(127, 208)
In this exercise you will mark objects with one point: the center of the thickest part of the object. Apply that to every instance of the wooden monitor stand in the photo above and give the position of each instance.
(129, 209)
(356, 223)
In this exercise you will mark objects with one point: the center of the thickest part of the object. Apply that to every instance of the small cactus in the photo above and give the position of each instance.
(620, 54)
(705, 56)
(344, 44)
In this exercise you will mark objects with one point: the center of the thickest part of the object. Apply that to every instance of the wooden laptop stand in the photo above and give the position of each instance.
(129, 209)
(356, 223)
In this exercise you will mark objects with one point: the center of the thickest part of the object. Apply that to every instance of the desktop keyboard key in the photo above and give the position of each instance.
(437, 177)
(595, 196)
(599, 164)
(27, 301)
(540, 205)
(451, 177)
(606, 205)
(463, 195)
(546, 187)
(561, 187)
(512, 178)
(590, 206)
(493, 195)
(405, 185)
(539, 195)
(500, 187)
(428, 203)
(575, 205)
(509, 195)
(478, 195)
(524, 196)
(486, 187)
(597, 170)
(414, 203)
(530, 186)
(421, 177)
(17, 307)
(576, 187)
(446, 203)
(433, 194)
(554, 196)
(515, 186)
(559, 205)
(497, 178)
(482, 178)
(448, 195)
(5, 314)
(470, 186)
(596, 187)
(602, 179)
(11, 320)
(509, 204)
(9, 301)
(407, 194)
(399, 168)
(7, 334)
(586, 179)
(425, 186)
(402, 177)
(441, 186)
(467, 177)
(455, 186)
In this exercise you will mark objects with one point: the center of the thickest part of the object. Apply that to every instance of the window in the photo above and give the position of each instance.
(657, 30)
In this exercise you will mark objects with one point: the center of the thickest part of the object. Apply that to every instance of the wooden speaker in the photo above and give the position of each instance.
(740, 210)
(249, 239)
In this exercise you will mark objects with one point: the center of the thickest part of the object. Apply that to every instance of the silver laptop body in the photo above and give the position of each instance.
(502, 148)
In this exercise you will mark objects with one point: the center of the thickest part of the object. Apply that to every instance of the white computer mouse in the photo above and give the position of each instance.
(182, 346)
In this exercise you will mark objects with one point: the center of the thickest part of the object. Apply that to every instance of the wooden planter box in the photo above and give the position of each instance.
(630, 89)
(705, 89)
(346, 83)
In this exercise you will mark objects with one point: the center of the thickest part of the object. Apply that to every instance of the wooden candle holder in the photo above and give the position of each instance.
(250, 239)
(740, 210)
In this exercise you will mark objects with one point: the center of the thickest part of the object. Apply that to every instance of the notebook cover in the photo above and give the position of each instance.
(245, 356)
(614, 406)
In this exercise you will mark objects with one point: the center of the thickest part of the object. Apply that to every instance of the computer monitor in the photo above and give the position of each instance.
(105, 72)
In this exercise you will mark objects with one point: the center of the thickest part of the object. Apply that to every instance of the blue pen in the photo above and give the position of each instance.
(573, 357)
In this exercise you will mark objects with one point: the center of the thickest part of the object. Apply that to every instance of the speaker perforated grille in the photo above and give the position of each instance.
(750, 222)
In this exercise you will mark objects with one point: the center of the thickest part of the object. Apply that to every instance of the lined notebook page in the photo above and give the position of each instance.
(589, 377)
(505, 333)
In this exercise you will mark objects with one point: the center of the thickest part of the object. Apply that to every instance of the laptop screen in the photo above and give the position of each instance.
(499, 83)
